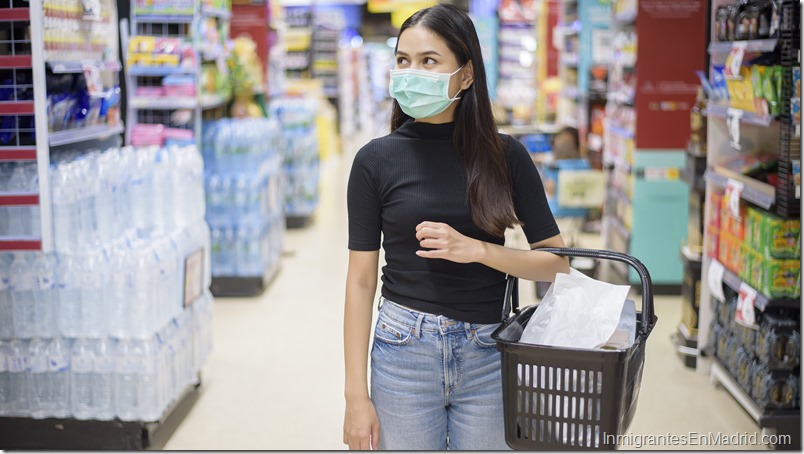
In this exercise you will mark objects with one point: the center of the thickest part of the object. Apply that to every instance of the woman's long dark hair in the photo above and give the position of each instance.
(475, 138)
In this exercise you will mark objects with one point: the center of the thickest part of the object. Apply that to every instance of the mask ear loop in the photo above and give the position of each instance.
(454, 98)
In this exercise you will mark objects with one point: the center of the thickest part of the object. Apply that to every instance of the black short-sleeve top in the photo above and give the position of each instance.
(414, 175)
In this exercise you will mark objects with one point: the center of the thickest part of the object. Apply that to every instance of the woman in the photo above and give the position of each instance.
(440, 189)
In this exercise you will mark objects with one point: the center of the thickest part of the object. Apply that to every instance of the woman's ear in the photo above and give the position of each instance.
(468, 75)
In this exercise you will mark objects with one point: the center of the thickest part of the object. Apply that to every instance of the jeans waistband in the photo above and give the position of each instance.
(423, 321)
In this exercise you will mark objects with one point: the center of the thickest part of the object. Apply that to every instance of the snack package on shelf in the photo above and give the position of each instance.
(713, 245)
(152, 51)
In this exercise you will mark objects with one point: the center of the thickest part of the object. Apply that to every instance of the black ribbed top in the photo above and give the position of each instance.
(414, 175)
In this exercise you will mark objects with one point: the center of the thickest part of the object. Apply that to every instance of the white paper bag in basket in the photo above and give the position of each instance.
(580, 312)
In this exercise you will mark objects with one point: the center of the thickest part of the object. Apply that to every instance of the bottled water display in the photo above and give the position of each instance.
(100, 328)
(98, 196)
(244, 189)
(19, 221)
(102, 379)
(301, 159)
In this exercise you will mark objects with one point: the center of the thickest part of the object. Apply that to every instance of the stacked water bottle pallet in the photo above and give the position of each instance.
(116, 321)
(301, 160)
(245, 203)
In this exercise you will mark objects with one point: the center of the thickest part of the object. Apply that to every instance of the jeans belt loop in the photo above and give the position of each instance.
(468, 327)
(418, 331)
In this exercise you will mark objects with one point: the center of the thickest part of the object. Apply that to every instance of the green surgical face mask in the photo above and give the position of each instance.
(421, 94)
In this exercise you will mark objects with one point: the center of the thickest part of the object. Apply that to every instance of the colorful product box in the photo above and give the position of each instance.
(713, 245)
(780, 278)
(716, 200)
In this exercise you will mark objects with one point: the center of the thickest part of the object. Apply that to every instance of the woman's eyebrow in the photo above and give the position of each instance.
(420, 54)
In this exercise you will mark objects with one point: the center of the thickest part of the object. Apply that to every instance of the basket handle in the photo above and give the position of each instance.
(511, 300)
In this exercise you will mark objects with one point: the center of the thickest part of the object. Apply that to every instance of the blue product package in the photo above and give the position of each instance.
(82, 109)
(719, 82)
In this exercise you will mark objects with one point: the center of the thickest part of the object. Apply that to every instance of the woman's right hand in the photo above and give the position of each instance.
(361, 428)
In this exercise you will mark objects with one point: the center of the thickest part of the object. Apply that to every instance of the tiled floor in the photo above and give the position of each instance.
(275, 378)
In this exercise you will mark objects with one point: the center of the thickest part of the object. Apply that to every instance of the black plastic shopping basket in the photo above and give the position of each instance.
(564, 398)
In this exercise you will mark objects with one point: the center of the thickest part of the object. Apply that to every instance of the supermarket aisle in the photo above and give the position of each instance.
(275, 378)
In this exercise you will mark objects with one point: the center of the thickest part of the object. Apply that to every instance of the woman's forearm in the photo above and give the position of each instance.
(532, 265)
(356, 335)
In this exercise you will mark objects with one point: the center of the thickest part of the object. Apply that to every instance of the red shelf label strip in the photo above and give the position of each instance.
(15, 61)
(18, 154)
(17, 108)
(20, 245)
(14, 14)
(15, 200)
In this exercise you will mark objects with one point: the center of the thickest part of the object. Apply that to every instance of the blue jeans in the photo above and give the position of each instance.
(435, 382)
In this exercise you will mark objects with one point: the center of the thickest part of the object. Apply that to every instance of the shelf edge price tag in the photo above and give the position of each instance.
(715, 278)
(193, 276)
(733, 117)
(746, 300)
(734, 191)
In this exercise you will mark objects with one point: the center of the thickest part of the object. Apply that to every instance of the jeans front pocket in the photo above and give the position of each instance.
(392, 332)
(481, 335)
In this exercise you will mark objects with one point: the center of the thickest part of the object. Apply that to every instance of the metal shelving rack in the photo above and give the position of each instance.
(145, 110)
(27, 54)
(768, 133)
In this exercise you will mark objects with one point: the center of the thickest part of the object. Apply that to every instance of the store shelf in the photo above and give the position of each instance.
(571, 93)
(14, 14)
(568, 121)
(164, 103)
(618, 194)
(243, 286)
(15, 61)
(20, 244)
(164, 19)
(16, 108)
(625, 19)
(747, 117)
(220, 13)
(114, 435)
(570, 59)
(620, 132)
(760, 45)
(518, 130)
(158, 71)
(214, 101)
(617, 226)
(762, 302)
(18, 199)
(17, 154)
(83, 134)
(754, 191)
(620, 98)
(720, 374)
(65, 67)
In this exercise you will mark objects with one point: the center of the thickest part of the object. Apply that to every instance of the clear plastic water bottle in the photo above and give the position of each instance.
(64, 208)
(40, 383)
(216, 200)
(17, 359)
(5, 382)
(81, 364)
(23, 283)
(6, 306)
(68, 279)
(58, 355)
(91, 273)
(121, 289)
(103, 374)
(148, 389)
(104, 200)
(45, 294)
(87, 193)
(126, 382)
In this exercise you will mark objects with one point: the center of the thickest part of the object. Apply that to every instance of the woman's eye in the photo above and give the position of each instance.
(401, 60)
(429, 61)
